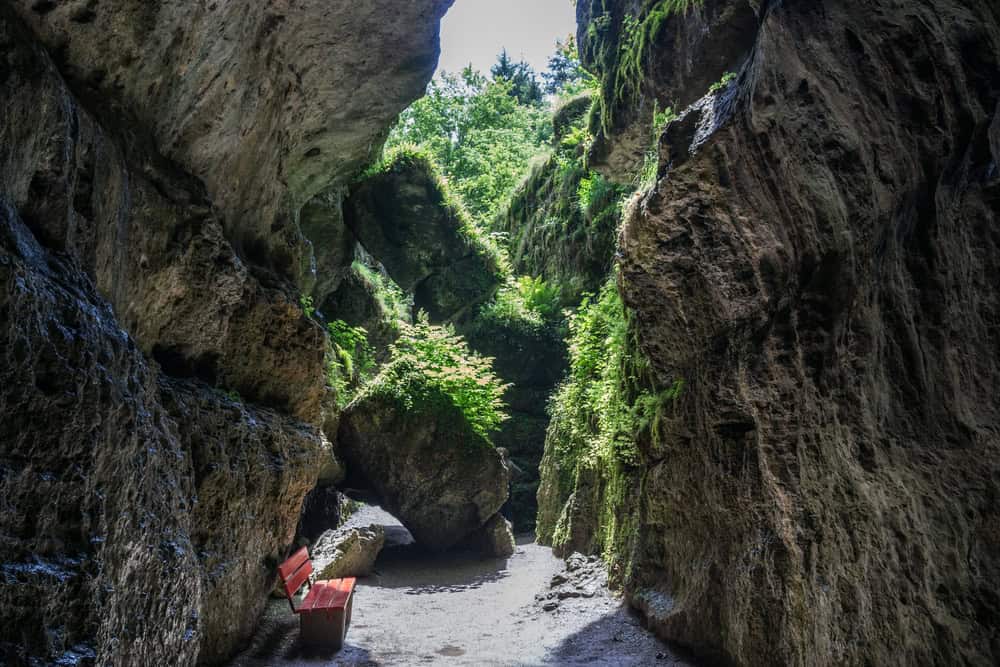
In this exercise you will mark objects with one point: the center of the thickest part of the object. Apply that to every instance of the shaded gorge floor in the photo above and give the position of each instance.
(457, 609)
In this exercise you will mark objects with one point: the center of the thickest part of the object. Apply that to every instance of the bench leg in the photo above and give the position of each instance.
(324, 628)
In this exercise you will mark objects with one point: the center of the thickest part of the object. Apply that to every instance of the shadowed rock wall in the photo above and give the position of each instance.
(267, 103)
(817, 261)
(162, 393)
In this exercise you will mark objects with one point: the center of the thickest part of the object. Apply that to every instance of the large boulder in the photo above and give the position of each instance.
(494, 540)
(427, 465)
(347, 553)
(324, 508)
(403, 217)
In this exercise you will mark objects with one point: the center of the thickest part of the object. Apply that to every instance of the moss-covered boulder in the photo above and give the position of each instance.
(408, 441)
(401, 213)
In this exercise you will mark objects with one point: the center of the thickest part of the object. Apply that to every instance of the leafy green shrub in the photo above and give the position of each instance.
(526, 303)
(608, 403)
(429, 362)
(307, 305)
(540, 296)
(609, 396)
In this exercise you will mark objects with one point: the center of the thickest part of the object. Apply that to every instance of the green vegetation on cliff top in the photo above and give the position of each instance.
(618, 46)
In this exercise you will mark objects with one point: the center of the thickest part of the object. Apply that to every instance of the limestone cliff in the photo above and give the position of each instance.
(267, 103)
(162, 390)
(817, 262)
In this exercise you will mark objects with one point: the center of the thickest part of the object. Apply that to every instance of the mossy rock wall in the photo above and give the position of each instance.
(402, 215)
(532, 361)
(562, 222)
(824, 490)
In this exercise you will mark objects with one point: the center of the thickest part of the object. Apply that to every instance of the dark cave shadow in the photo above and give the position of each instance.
(277, 642)
(350, 654)
(620, 637)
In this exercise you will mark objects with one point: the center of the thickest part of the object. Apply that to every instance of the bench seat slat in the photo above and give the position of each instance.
(345, 584)
(324, 596)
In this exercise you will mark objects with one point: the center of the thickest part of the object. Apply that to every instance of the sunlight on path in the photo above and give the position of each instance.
(453, 609)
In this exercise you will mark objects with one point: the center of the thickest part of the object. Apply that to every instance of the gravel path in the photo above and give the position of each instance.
(456, 609)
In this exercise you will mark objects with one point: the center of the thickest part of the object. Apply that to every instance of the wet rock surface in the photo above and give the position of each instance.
(532, 362)
(143, 515)
(95, 484)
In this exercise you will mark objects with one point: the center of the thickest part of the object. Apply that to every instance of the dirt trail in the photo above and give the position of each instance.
(455, 609)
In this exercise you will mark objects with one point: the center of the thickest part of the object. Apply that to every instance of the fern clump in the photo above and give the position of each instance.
(432, 369)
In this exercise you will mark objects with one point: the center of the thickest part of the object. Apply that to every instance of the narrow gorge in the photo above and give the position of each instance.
(687, 352)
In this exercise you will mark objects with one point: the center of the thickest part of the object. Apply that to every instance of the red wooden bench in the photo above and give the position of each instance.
(325, 612)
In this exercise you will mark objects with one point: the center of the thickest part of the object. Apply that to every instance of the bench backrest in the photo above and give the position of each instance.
(295, 571)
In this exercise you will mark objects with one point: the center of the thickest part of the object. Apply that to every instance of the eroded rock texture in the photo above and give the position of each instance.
(147, 234)
(95, 500)
(161, 391)
(267, 103)
(429, 469)
(251, 469)
(818, 262)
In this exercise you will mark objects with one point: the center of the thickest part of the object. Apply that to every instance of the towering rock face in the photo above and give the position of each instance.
(267, 103)
(162, 392)
(817, 261)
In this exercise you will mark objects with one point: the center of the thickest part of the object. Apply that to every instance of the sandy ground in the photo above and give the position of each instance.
(456, 609)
